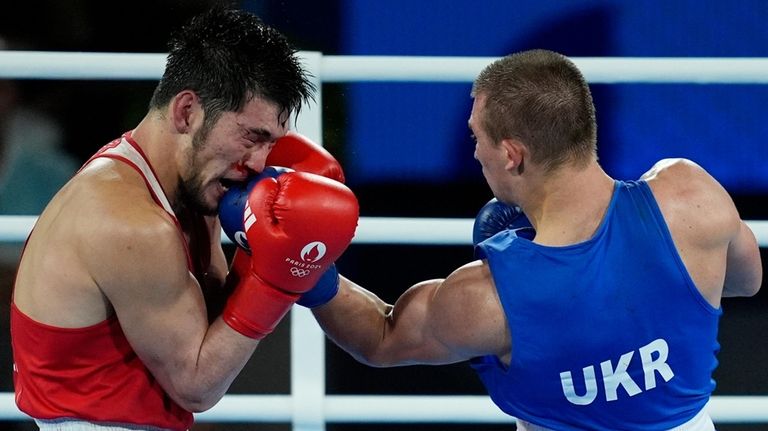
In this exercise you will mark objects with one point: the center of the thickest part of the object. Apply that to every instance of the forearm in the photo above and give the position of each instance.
(203, 376)
(355, 320)
(195, 363)
(382, 335)
(222, 356)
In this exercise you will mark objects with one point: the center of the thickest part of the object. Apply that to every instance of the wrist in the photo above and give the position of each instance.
(255, 308)
(324, 290)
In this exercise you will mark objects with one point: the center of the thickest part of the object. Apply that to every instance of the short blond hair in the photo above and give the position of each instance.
(541, 98)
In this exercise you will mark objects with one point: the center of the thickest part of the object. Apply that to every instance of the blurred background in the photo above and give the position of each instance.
(405, 147)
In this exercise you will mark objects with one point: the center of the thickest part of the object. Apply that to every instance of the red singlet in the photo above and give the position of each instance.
(92, 373)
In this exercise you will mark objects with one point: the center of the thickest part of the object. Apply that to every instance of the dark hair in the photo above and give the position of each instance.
(541, 98)
(228, 56)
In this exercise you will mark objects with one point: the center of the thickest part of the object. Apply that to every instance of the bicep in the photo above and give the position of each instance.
(377, 333)
(157, 300)
(451, 320)
(409, 335)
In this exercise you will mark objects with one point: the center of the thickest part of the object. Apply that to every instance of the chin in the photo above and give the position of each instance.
(195, 197)
(201, 205)
(208, 208)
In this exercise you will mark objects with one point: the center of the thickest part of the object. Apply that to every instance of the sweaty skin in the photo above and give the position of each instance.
(119, 253)
(454, 319)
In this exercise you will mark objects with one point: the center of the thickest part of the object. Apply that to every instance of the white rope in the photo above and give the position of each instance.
(335, 68)
(370, 230)
(381, 230)
(405, 409)
(596, 70)
(80, 65)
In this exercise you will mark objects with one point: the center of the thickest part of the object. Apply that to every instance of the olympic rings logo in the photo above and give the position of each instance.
(299, 272)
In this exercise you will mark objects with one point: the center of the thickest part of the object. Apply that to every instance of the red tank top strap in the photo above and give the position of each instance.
(126, 150)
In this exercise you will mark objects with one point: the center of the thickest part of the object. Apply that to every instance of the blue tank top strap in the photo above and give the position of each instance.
(653, 206)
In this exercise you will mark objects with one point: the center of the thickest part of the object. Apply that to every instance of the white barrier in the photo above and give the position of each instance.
(335, 68)
(308, 407)
(404, 409)
(370, 230)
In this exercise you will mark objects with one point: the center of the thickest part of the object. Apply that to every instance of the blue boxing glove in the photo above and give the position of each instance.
(231, 208)
(232, 205)
(496, 216)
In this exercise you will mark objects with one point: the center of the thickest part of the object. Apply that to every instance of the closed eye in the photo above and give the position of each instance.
(258, 136)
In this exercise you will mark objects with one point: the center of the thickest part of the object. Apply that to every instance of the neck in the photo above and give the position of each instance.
(160, 148)
(568, 205)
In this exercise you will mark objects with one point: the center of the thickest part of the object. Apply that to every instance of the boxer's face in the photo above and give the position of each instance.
(487, 152)
(236, 145)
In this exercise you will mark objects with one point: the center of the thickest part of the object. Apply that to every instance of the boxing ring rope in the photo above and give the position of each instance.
(308, 407)
(371, 230)
(336, 68)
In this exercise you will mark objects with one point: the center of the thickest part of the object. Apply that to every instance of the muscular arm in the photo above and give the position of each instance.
(718, 249)
(433, 322)
(161, 309)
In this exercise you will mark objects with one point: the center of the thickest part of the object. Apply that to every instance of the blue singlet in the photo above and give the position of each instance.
(607, 334)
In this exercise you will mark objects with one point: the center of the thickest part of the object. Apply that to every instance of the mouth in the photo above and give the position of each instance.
(227, 183)
(238, 178)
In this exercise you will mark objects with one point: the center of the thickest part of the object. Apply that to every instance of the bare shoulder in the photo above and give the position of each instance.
(717, 247)
(127, 238)
(120, 208)
(470, 282)
(470, 312)
(141, 248)
(99, 230)
(692, 200)
(678, 175)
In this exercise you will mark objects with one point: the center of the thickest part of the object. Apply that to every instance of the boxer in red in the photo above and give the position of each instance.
(109, 323)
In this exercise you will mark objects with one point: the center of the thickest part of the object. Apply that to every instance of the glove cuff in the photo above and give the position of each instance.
(326, 289)
(255, 308)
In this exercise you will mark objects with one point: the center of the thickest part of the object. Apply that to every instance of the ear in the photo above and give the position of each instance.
(185, 111)
(515, 151)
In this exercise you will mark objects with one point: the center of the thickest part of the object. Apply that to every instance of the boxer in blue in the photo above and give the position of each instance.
(604, 316)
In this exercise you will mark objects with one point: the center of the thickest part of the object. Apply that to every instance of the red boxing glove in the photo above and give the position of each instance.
(297, 224)
(241, 264)
(298, 152)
